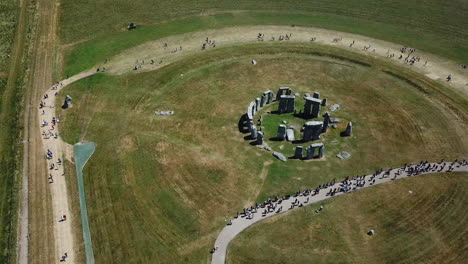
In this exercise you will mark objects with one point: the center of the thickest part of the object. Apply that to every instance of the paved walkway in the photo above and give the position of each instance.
(243, 221)
(63, 232)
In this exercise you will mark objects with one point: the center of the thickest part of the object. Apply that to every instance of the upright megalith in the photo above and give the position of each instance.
(324, 102)
(349, 130)
(257, 104)
(286, 104)
(316, 95)
(263, 100)
(298, 152)
(312, 107)
(260, 138)
(253, 132)
(270, 96)
(281, 134)
(321, 150)
(251, 110)
(67, 103)
(312, 130)
(310, 151)
(326, 122)
(283, 91)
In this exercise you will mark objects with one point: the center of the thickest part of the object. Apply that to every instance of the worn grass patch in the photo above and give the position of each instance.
(168, 183)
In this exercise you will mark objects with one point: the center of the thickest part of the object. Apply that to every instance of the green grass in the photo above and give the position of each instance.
(434, 26)
(168, 183)
(426, 226)
(8, 133)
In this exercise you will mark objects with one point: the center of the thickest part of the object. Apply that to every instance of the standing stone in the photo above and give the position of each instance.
(349, 130)
(310, 152)
(67, 102)
(251, 110)
(260, 138)
(253, 132)
(312, 130)
(263, 100)
(312, 107)
(298, 152)
(316, 95)
(286, 104)
(257, 104)
(281, 135)
(326, 121)
(321, 151)
(324, 102)
(270, 96)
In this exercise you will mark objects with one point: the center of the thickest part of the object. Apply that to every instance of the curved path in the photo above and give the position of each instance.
(63, 232)
(242, 222)
(436, 68)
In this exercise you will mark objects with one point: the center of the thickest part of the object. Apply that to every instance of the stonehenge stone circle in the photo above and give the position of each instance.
(286, 104)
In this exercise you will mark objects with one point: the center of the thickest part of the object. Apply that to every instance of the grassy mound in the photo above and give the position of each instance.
(167, 183)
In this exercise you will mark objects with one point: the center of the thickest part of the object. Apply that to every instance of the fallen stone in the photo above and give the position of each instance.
(279, 156)
(343, 155)
(334, 107)
(335, 120)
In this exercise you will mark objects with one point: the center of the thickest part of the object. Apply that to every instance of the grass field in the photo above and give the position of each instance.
(427, 225)
(168, 183)
(435, 27)
(8, 131)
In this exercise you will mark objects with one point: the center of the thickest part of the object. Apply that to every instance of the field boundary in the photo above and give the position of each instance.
(83, 152)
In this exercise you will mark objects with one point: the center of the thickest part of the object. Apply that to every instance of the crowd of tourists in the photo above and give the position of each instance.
(332, 188)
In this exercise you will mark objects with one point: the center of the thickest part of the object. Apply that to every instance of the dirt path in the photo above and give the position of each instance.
(52, 142)
(48, 238)
(436, 68)
(241, 223)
